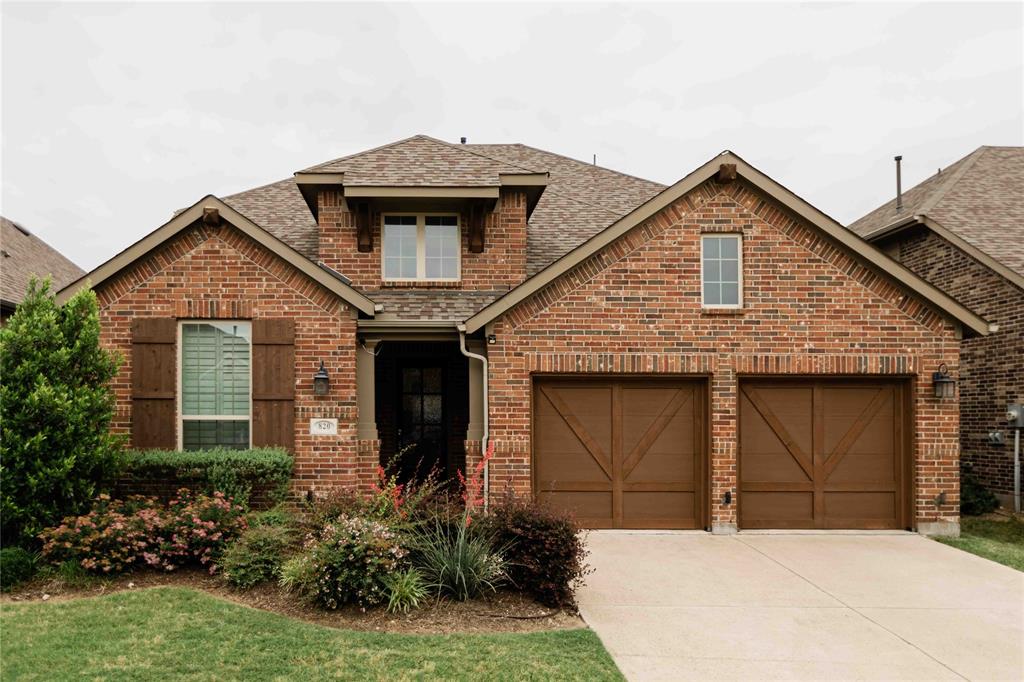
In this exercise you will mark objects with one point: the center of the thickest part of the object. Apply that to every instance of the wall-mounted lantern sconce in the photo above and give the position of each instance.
(940, 499)
(492, 339)
(945, 385)
(727, 498)
(321, 382)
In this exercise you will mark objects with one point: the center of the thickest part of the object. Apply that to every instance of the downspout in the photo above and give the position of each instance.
(487, 413)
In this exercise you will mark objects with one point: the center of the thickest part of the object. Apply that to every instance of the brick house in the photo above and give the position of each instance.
(715, 354)
(963, 230)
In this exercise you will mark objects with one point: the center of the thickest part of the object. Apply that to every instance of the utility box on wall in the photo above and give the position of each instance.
(1015, 416)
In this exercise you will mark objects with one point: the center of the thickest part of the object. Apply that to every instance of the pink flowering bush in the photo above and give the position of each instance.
(110, 538)
(348, 561)
(118, 534)
(200, 526)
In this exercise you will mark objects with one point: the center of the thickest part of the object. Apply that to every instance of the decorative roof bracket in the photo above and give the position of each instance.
(478, 210)
(361, 213)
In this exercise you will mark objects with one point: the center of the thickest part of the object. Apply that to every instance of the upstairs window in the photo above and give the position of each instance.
(721, 270)
(421, 247)
(215, 384)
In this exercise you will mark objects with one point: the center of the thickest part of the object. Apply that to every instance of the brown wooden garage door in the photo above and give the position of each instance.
(823, 454)
(621, 453)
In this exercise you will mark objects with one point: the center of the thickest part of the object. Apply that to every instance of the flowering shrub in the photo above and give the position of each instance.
(111, 537)
(346, 562)
(200, 526)
(398, 505)
(117, 534)
(472, 486)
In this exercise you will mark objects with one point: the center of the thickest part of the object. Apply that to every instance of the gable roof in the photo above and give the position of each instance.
(24, 255)
(829, 226)
(978, 203)
(580, 200)
(188, 217)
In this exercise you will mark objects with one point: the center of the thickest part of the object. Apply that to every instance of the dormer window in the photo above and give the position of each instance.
(421, 247)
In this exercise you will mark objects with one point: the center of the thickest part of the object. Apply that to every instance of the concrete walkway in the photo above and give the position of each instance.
(812, 607)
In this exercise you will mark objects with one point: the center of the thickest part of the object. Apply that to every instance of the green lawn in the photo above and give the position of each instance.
(1001, 541)
(173, 633)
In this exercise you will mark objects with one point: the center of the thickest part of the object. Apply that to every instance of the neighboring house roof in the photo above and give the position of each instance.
(24, 255)
(181, 221)
(815, 217)
(978, 203)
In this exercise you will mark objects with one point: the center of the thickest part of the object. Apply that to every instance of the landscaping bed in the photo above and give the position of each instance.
(425, 556)
(502, 611)
(173, 633)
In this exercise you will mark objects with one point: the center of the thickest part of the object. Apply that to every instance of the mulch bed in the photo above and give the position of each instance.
(504, 611)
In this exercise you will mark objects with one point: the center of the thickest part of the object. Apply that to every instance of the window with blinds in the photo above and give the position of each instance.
(216, 388)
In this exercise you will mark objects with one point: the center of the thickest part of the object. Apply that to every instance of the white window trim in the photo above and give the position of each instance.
(421, 248)
(180, 388)
(739, 270)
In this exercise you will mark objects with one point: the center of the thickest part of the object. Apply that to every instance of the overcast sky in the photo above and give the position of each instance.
(113, 116)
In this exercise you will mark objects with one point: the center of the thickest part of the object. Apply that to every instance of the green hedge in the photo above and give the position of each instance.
(233, 472)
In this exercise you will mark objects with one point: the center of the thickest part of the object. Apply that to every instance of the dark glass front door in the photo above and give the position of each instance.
(421, 433)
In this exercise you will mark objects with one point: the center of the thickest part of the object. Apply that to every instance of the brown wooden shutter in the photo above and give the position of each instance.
(273, 383)
(154, 373)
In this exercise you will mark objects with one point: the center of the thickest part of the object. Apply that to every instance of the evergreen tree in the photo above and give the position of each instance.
(56, 448)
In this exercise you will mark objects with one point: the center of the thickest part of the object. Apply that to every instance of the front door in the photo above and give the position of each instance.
(422, 440)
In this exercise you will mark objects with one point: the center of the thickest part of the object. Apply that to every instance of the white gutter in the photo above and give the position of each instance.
(487, 413)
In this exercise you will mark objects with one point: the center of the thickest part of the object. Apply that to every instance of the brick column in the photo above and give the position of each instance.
(724, 432)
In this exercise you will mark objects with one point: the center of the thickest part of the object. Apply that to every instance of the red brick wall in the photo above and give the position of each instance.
(221, 273)
(502, 264)
(809, 309)
(991, 367)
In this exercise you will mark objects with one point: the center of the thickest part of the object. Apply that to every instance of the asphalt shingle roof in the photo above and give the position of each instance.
(420, 161)
(980, 198)
(23, 255)
(280, 209)
(432, 304)
(580, 200)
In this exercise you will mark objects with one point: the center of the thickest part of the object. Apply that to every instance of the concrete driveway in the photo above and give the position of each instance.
(674, 606)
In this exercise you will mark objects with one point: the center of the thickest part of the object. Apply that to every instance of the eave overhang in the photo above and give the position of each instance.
(311, 184)
(212, 210)
(732, 166)
(898, 227)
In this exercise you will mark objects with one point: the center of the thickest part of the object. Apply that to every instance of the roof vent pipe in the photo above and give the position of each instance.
(899, 184)
(462, 140)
